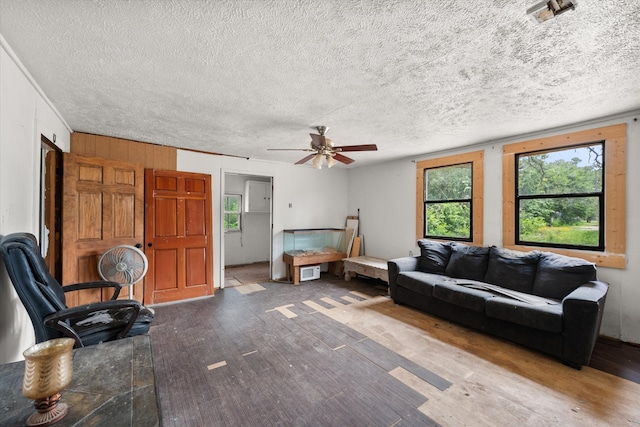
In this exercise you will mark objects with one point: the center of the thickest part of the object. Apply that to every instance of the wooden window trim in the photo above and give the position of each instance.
(476, 158)
(615, 179)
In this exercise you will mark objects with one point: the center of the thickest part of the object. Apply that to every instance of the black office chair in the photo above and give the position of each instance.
(44, 299)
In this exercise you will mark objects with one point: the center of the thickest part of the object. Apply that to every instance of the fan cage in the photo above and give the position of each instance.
(123, 264)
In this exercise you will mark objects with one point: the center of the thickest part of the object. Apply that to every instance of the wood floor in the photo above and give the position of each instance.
(336, 353)
(243, 274)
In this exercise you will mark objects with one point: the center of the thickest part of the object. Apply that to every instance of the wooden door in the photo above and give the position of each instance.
(102, 207)
(178, 235)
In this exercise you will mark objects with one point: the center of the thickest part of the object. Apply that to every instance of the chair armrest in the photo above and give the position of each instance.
(396, 266)
(582, 316)
(95, 285)
(60, 320)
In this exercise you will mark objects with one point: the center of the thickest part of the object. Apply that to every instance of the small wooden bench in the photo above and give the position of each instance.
(375, 268)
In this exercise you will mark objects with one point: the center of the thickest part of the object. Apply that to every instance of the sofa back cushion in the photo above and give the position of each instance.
(559, 275)
(434, 256)
(512, 269)
(467, 262)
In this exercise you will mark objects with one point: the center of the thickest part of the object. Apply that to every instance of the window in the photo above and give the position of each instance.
(232, 212)
(450, 197)
(566, 194)
(560, 198)
(447, 202)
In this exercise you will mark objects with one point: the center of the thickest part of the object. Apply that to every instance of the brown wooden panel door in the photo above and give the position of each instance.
(102, 207)
(178, 235)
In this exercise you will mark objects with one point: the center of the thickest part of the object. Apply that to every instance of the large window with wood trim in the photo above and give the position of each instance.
(449, 198)
(560, 197)
(567, 194)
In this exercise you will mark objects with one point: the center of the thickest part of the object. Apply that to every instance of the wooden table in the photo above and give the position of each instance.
(113, 385)
(375, 268)
(294, 262)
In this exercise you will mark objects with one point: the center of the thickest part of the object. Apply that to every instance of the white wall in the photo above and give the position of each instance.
(251, 243)
(25, 114)
(386, 196)
(318, 198)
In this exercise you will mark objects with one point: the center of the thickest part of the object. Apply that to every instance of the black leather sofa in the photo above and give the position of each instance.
(545, 301)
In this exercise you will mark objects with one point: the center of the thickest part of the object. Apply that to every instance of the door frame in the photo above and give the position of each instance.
(51, 195)
(223, 174)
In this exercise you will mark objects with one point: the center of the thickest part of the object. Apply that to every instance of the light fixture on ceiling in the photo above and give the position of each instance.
(317, 161)
(544, 10)
(331, 161)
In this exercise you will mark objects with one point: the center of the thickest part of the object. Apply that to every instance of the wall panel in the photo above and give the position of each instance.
(150, 156)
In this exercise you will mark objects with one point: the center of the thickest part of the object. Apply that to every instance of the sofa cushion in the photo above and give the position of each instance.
(418, 281)
(558, 275)
(547, 317)
(434, 256)
(512, 269)
(467, 262)
(454, 293)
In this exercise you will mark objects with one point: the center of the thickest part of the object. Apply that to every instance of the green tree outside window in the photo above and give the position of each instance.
(560, 197)
(232, 212)
(448, 197)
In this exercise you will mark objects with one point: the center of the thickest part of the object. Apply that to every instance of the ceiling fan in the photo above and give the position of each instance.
(322, 147)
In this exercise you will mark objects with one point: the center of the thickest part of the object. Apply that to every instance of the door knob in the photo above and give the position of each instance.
(149, 244)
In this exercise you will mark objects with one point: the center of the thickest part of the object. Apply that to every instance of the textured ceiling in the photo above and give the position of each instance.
(238, 77)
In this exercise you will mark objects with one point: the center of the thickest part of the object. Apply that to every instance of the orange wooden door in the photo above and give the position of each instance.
(102, 207)
(178, 235)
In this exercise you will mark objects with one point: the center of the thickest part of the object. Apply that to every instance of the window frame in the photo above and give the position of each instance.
(238, 212)
(614, 139)
(426, 203)
(597, 194)
(476, 159)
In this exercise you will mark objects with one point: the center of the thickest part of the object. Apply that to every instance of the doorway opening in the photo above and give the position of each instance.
(51, 206)
(246, 224)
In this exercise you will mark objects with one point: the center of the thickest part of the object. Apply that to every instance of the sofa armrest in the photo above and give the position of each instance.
(397, 265)
(582, 315)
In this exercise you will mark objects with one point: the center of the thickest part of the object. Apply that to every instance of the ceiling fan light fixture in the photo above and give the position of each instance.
(545, 10)
(317, 161)
(324, 147)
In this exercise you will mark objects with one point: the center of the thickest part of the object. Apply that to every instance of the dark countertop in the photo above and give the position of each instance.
(113, 385)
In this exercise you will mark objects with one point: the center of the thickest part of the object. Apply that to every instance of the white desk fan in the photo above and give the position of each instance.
(123, 264)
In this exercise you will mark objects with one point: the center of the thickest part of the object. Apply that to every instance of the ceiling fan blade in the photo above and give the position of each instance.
(318, 140)
(364, 147)
(305, 159)
(344, 159)
(290, 149)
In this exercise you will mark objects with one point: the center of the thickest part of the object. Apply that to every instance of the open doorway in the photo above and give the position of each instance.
(51, 206)
(246, 217)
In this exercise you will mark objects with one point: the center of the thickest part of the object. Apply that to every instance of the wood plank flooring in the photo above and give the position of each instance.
(336, 353)
(243, 274)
